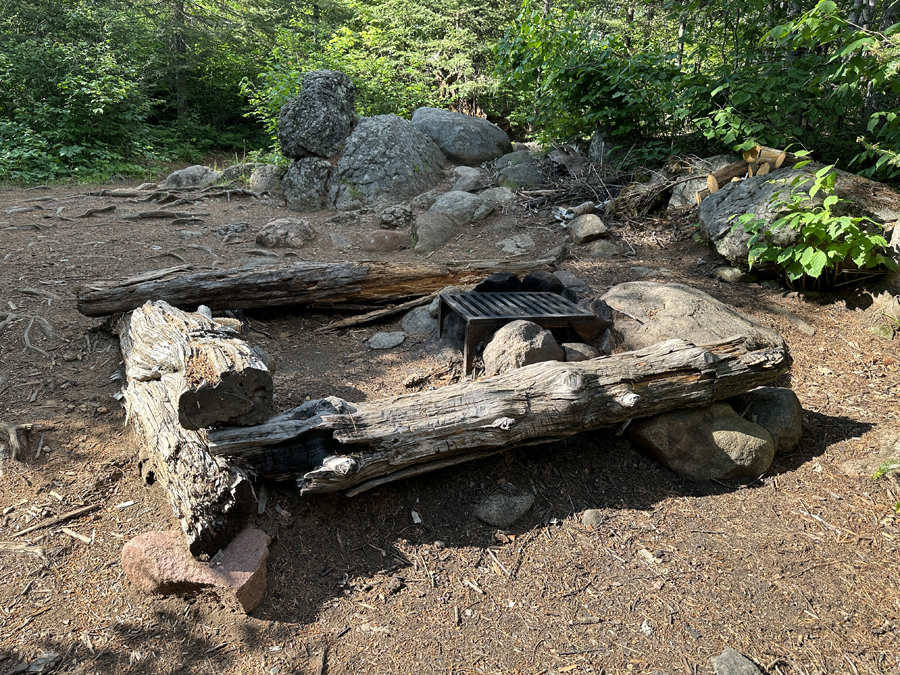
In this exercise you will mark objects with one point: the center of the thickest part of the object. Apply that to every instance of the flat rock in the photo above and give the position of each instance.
(286, 233)
(419, 321)
(732, 662)
(503, 510)
(518, 244)
(656, 312)
(463, 208)
(578, 351)
(384, 241)
(159, 562)
(775, 409)
(386, 340)
(501, 196)
(193, 176)
(462, 138)
(431, 231)
(320, 119)
(517, 344)
(713, 443)
(587, 228)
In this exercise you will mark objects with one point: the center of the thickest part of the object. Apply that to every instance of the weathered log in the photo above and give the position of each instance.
(331, 445)
(717, 179)
(211, 375)
(300, 284)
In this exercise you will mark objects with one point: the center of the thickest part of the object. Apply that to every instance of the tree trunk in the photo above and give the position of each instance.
(211, 375)
(180, 61)
(331, 445)
(321, 284)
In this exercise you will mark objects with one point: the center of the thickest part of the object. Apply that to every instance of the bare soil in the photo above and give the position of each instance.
(799, 570)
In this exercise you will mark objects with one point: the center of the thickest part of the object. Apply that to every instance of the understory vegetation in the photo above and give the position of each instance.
(91, 88)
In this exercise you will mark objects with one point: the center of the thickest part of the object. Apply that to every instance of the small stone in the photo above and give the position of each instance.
(517, 244)
(286, 233)
(502, 510)
(468, 178)
(431, 231)
(587, 228)
(605, 249)
(386, 340)
(731, 662)
(518, 344)
(102, 410)
(232, 228)
(517, 176)
(578, 351)
(883, 331)
(771, 284)
(501, 196)
(593, 518)
(384, 241)
(728, 274)
(396, 217)
(160, 562)
(419, 322)
(187, 235)
(641, 272)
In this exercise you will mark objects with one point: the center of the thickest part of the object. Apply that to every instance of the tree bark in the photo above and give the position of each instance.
(321, 284)
(331, 445)
(211, 375)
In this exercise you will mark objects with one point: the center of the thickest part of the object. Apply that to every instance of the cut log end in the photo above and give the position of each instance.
(238, 398)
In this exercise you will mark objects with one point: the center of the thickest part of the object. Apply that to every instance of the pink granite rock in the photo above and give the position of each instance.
(159, 562)
(384, 240)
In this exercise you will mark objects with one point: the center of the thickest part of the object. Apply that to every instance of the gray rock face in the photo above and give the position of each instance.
(396, 217)
(266, 178)
(431, 231)
(777, 410)
(713, 443)
(419, 322)
(462, 138)
(685, 194)
(520, 175)
(669, 311)
(193, 176)
(467, 178)
(286, 233)
(587, 228)
(463, 208)
(305, 184)
(753, 195)
(504, 510)
(517, 344)
(384, 241)
(319, 120)
(385, 158)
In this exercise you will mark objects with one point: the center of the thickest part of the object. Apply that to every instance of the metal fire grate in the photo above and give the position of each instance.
(486, 312)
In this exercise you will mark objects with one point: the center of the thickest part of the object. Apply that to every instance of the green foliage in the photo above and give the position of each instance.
(825, 242)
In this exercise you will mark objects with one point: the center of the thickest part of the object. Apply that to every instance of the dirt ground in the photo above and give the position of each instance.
(799, 570)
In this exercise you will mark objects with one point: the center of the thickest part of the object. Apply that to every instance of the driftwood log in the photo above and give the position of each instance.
(211, 375)
(328, 284)
(331, 445)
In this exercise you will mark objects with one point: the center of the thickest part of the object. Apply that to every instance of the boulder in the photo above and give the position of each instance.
(754, 195)
(434, 307)
(160, 562)
(514, 158)
(462, 138)
(587, 228)
(319, 120)
(396, 217)
(266, 178)
(431, 231)
(286, 233)
(572, 282)
(305, 184)
(385, 159)
(685, 194)
(713, 443)
(517, 344)
(500, 196)
(601, 310)
(467, 179)
(541, 281)
(775, 409)
(419, 321)
(503, 510)
(463, 208)
(193, 176)
(655, 312)
(517, 176)
(499, 282)
(384, 241)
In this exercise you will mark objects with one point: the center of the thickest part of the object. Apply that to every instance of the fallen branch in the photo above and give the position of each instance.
(377, 314)
(58, 519)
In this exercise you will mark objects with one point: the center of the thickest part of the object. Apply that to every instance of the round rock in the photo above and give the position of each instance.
(384, 241)
(517, 344)
(462, 138)
(286, 233)
(419, 322)
(502, 510)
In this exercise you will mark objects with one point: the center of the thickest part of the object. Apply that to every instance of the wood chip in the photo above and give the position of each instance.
(73, 533)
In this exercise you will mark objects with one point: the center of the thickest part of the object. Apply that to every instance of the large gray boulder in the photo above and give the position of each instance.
(655, 312)
(517, 344)
(713, 443)
(385, 159)
(775, 409)
(462, 138)
(717, 213)
(305, 184)
(462, 208)
(431, 231)
(319, 120)
(193, 176)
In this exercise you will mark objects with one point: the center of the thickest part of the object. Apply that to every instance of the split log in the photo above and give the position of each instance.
(331, 445)
(210, 374)
(777, 158)
(300, 284)
(724, 175)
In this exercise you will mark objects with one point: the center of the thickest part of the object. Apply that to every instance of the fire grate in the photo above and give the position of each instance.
(486, 312)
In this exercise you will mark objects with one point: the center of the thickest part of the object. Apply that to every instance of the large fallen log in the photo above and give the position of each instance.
(212, 375)
(300, 284)
(331, 445)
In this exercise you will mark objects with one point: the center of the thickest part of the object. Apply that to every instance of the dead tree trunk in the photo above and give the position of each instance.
(331, 445)
(212, 376)
(320, 284)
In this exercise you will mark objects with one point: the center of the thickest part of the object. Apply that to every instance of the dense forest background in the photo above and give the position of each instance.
(90, 88)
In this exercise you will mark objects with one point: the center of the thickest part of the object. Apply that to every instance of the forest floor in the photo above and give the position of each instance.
(799, 570)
